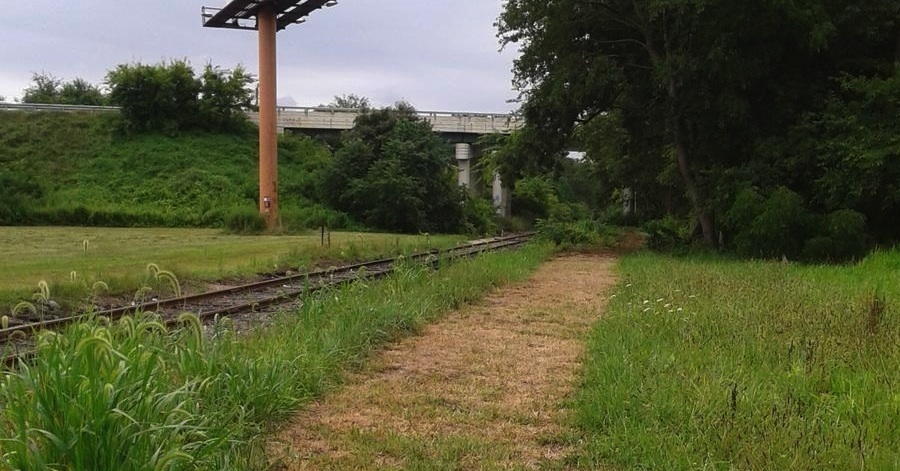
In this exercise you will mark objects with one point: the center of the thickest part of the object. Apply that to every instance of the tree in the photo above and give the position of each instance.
(81, 92)
(393, 172)
(44, 89)
(700, 82)
(350, 102)
(160, 97)
(169, 97)
(48, 89)
(224, 97)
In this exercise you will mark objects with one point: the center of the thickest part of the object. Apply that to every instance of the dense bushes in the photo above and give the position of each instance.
(667, 234)
(581, 233)
(392, 172)
(782, 225)
(169, 98)
(479, 215)
(18, 192)
(46, 88)
(245, 220)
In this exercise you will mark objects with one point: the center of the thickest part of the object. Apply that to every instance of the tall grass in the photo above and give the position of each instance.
(133, 395)
(715, 364)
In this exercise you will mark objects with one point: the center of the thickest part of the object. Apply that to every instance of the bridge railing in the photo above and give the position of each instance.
(422, 113)
(339, 118)
(49, 107)
(443, 121)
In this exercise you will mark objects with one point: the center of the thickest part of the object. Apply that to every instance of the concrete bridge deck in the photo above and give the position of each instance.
(444, 122)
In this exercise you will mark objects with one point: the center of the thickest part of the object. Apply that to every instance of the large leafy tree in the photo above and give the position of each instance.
(169, 97)
(695, 84)
(393, 172)
(45, 88)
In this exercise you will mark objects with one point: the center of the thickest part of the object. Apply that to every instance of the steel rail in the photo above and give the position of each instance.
(285, 288)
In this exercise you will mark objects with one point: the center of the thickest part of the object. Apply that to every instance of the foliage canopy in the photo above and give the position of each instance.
(169, 97)
(393, 172)
(692, 101)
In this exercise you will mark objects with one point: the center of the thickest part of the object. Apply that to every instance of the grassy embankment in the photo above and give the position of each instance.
(77, 169)
(714, 364)
(134, 397)
(119, 257)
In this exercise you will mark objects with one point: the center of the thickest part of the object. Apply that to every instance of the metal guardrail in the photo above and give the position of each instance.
(49, 107)
(441, 121)
(423, 113)
(296, 109)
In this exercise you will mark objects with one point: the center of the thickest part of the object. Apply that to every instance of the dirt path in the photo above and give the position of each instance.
(481, 389)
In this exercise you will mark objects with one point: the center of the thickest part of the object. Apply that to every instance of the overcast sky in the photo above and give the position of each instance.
(437, 54)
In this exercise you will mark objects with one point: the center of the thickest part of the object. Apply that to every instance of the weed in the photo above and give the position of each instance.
(705, 363)
(875, 307)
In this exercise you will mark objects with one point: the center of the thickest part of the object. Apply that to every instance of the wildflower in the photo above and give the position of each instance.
(646, 301)
(646, 309)
(692, 296)
(659, 300)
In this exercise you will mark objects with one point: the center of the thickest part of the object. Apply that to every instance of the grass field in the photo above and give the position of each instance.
(705, 363)
(152, 399)
(120, 256)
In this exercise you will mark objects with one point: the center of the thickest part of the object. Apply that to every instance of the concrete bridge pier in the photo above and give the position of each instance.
(501, 196)
(464, 163)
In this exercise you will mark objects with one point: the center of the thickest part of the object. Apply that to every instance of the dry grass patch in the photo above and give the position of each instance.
(481, 389)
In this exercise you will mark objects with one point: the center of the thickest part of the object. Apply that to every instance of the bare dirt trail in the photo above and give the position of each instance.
(481, 389)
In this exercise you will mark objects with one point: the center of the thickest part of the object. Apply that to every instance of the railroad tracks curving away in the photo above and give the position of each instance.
(253, 297)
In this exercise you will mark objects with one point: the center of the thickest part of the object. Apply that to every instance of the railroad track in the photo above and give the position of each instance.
(253, 297)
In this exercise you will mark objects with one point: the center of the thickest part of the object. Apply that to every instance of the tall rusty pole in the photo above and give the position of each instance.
(268, 126)
(270, 16)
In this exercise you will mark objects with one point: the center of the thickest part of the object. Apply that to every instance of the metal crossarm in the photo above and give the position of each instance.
(240, 14)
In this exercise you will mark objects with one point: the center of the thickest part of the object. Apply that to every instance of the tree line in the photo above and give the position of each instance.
(168, 96)
(770, 128)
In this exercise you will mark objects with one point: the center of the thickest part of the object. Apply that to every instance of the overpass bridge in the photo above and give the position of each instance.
(456, 126)
(460, 128)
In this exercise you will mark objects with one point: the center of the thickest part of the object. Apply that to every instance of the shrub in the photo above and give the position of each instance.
(245, 220)
(848, 230)
(842, 237)
(513, 224)
(666, 234)
(479, 215)
(770, 227)
(170, 98)
(582, 233)
(313, 216)
(533, 198)
(782, 227)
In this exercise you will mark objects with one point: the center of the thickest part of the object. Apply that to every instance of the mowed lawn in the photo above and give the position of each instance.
(119, 256)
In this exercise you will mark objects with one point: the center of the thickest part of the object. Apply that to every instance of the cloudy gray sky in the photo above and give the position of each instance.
(436, 54)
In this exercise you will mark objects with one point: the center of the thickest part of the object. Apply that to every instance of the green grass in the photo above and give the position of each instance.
(705, 363)
(132, 396)
(77, 169)
(120, 256)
